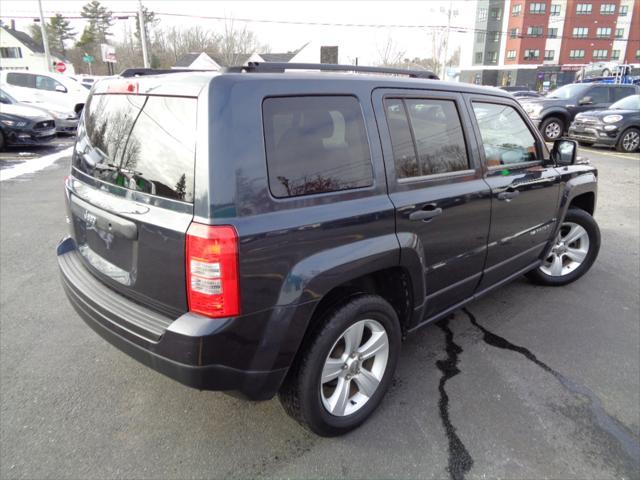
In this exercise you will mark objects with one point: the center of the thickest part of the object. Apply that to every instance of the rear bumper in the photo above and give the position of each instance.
(182, 349)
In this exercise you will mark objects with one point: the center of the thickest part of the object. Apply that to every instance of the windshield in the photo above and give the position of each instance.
(6, 98)
(568, 91)
(632, 102)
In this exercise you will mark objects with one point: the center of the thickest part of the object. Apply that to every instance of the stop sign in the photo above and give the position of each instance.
(60, 67)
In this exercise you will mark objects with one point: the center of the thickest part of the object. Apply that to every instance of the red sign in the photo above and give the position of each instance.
(60, 67)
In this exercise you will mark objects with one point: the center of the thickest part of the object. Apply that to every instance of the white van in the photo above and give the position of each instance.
(51, 88)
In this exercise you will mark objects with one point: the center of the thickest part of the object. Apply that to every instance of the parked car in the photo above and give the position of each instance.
(52, 88)
(618, 126)
(524, 94)
(23, 125)
(66, 122)
(554, 113)
(280, 233)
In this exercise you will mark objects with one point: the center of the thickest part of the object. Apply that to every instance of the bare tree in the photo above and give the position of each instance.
(236, 42)
(389, 55)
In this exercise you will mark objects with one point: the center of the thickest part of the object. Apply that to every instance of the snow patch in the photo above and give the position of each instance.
(31, 166)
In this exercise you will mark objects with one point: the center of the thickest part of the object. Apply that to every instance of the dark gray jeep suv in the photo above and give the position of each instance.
(280, 233)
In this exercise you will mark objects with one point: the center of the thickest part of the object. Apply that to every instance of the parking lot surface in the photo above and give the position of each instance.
(529, 382)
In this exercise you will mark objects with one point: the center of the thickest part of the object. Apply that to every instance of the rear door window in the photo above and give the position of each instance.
(141, 143)
(21, 79)
(315, 145)
(426, 136)
(599, 95)
(47, 83)
(622, 92)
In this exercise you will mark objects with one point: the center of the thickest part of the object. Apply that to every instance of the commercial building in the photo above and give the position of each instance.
(542, 43)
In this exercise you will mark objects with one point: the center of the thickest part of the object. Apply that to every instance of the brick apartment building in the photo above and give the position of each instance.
(542, 43)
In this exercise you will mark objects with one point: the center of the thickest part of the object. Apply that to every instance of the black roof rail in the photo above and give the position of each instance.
(139, 72)
(272, 67)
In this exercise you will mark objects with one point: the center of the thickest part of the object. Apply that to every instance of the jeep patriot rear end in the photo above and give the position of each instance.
(268, 232)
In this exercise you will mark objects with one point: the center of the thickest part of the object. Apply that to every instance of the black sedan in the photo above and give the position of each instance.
(22, 125)
(618, 126)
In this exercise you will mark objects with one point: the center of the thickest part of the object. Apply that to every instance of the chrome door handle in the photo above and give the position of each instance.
(508, 195)
(425, 215)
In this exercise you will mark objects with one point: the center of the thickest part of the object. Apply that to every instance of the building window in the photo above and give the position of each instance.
(482, 14)
(619, 32)
(608, 8)
(576, 54)
(496, 13)
(615, 54)
(549, 54)
(624, 10)
(531, 54)
(603, 32)
(480, 36)
(552, 33)
(600, 54)
(514, 32)
(10, 52)
(494, 37)
(580, 32)
(511, 54)
(492, 57)
(538, 8)
(478, 57)
(637, 54)
(515, 11)
(584, 8)
(534, 31)
(555, 10)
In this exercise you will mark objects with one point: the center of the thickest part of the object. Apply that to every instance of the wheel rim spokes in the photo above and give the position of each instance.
(354, 367)
(631, 141)
(568, 252)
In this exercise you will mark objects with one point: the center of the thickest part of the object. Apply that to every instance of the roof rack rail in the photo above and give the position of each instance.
(272, 67)
(139, 72)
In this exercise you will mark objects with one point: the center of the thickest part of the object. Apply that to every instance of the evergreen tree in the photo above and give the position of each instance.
(87, 39)
(100, 20)
(59, 29)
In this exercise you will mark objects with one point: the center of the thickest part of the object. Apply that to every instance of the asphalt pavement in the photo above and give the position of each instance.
(529, 382)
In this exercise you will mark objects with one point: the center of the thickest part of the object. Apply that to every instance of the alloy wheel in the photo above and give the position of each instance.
(553, 130)
(569, 251)
(354, 367)
(631, 141)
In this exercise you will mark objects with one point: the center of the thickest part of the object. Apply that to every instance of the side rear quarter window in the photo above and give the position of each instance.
(621, 92)
(506, 139)
(426, 136)
(315, 144)
(21, 79)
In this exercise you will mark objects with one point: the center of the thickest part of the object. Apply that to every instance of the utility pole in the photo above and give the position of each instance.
(45, 40)
(443, 76)
(143, 36)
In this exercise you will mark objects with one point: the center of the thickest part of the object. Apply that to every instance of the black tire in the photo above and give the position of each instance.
(300, 393)
(2, 142)
(552, 124)
(606, 72)
(586, 221)
(620, 146)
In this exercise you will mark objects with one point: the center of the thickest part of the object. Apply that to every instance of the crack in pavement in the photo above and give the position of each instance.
(460, 461)
(608, 424)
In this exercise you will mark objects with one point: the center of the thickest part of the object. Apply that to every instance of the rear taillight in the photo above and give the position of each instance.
(212, 270)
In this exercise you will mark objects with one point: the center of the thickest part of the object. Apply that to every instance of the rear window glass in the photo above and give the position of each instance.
(315, 145)
(141, 143)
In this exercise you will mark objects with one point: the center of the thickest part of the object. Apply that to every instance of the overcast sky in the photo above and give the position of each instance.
(366, 41)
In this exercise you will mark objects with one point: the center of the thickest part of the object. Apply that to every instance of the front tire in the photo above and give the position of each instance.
(629, 141)
(2, 141)
(574, 251)
(346, 369)
(552, 128)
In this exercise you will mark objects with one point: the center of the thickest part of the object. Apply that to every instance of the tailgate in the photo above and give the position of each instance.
(130, 195)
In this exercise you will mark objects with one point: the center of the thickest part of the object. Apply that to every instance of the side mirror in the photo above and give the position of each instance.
(61, 89)
(585, 101)
(564, 152)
